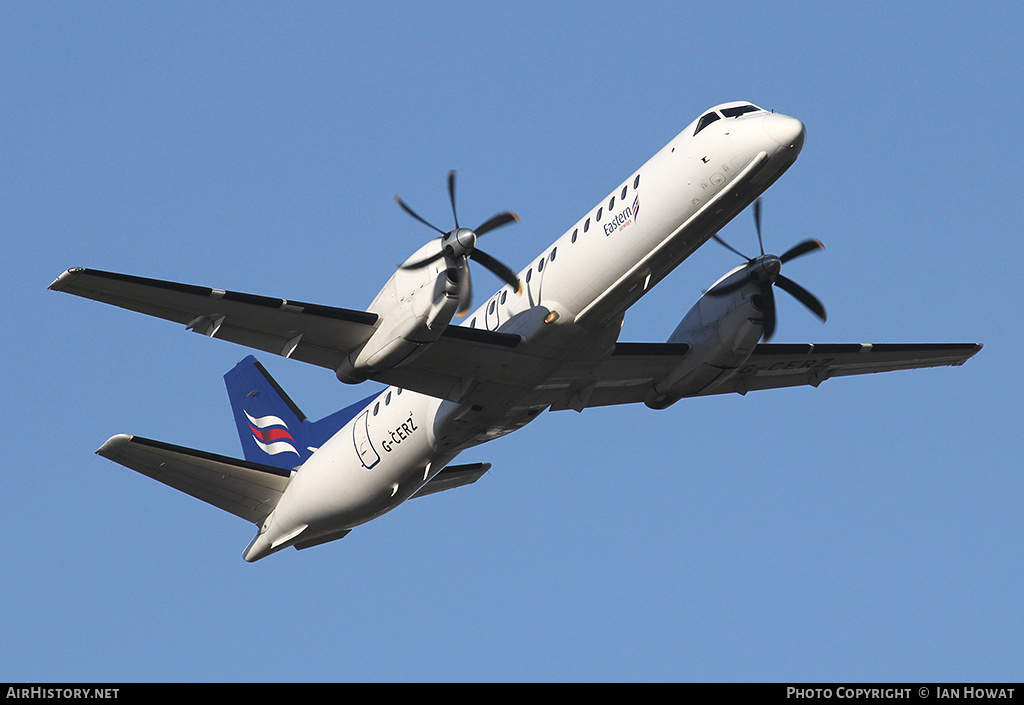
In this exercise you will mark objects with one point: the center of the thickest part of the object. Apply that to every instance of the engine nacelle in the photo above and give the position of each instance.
(415, 307)
(722, 332)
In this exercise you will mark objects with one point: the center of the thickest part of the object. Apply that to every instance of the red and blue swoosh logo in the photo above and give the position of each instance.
(271, 434)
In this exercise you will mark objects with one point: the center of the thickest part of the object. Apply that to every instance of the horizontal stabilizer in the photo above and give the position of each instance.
(452, 477)
(321, 539)
(449, 478)
(245, 489)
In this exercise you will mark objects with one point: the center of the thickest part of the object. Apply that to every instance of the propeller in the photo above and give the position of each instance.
(765, 271)
(458, 246)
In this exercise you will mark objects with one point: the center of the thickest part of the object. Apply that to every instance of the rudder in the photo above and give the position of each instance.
(268, 421)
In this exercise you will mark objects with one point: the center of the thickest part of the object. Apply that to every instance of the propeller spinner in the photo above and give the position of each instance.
(765, 271)
(458, 246)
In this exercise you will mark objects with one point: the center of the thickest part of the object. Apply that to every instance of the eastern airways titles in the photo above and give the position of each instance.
(622, 219)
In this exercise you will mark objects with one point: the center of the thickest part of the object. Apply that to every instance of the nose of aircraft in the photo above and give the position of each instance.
(784, 130)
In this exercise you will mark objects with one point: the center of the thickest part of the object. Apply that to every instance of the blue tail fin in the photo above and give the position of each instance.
(271, 427)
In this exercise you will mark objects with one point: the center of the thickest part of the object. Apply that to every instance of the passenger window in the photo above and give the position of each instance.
(598, 219)
(586, 226)
(623, 194)
(376, 408)
(705, 121)
(553, 251)
(611, 204)
(503, 295)
(636, 182)
(575, 233)
(540, 266)
(387, 399)
(529, 274)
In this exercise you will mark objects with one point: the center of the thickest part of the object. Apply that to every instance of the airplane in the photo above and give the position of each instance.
(546, 340)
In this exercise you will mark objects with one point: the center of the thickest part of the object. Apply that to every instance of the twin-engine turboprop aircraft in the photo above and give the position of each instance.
(548, 339)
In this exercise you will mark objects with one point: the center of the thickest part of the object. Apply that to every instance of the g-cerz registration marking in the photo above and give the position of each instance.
(399, 434)
(787, 366)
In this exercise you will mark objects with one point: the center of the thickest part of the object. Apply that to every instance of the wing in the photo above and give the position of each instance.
(248, 490)
(319, 335)
(629, 373)
(464, 364)
(624, 377)
(777, 365)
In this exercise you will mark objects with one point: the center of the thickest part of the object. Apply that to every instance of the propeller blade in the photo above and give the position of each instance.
(727, 246)
(801, 249)
(503, 218)
(459, 246)
(769, 314)
(503, 272)
(465, 287)
(802, 295)
(771, 269)
(757, 223)
(451, 195)
(423, 262)
(416, 215)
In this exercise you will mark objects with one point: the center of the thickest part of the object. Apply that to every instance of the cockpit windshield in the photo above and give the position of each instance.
(730, 112)
(706, 120)
(739, 110)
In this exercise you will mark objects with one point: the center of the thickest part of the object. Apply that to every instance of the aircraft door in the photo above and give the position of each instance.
(361, 439)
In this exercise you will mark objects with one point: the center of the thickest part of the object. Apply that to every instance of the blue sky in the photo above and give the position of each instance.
(869, 529)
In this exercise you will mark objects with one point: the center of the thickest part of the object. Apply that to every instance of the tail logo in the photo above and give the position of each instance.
(271, 434)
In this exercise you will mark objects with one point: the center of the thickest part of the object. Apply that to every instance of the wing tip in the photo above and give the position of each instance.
(114, 445)
(64, 278)
(975, 351)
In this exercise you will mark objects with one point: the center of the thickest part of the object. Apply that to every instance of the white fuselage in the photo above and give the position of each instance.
(574, 293)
